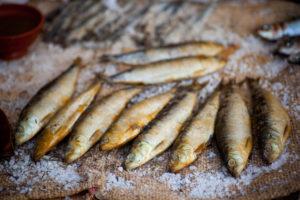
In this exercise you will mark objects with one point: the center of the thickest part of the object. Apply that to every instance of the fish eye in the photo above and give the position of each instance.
(266, 27)
(289, 43)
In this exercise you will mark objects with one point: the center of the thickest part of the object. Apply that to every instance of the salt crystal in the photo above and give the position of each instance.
(114, 181)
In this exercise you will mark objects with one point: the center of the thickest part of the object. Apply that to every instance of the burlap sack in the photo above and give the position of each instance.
(233, 22)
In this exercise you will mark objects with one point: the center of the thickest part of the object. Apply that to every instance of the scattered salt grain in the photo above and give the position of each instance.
(216, 183)
(120, 169)
(211, 154)
(192, 167)
(114, 181)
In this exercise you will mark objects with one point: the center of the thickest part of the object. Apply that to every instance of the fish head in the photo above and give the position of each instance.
(270, 32)
(272, 146)
(26, 129)
(75, 148)
(182, 157)
(138, 155)
(235, 163)
(289, 47)
(109, 142)
(295, 58)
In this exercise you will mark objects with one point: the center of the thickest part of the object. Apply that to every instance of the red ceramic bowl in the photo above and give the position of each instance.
(19, 27)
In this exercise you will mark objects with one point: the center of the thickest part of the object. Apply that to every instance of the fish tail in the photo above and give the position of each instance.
(106, 58)
(103, 78)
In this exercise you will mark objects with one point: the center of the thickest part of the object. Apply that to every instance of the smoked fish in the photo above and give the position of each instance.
(279, 30)
(167, 52)
(62, 122)
(96, 121)
(170, 70)
(46, 103)
(162, 133)
(272, 121)
(196, 136)
(132, 120)
(233, 131)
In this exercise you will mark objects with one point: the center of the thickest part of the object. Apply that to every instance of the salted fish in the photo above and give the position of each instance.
(233, 131)
(162, 133)
(62, 122)
(290, 46)
(132, 120)
(272, 122)
(96, 121)
(46, 103)
(196, 136)
(167, 52)
(279, 30)
(170, 70)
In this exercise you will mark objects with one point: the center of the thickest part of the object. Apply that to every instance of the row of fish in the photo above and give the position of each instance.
(155, 122)
(52, 109)
(288, 34)
(95, 20)
(109, 120)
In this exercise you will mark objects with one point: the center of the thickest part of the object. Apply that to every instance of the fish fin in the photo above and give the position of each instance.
(96, 136)
(159, 145)
(248, 144)
(105, 58)
(286, 132)
(46, 118)
(200, 148)
(228, 51)
(77, 61)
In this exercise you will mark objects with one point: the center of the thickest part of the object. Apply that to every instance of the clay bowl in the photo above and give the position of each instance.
(19, 27)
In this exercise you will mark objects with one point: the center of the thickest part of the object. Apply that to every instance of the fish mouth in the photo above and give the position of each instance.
(182, 158)
(26, 130)
(271, 152)
(133, 160)
(235, 165)
(107, 144)
(73, 154)
(266, 34)
(139, 156)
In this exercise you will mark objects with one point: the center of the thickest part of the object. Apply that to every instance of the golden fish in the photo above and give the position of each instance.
(196, 136)
(170, 70)
(62, 122)
(96, 121)
(46, 103)
(167, 52)
(133, 119)
(162, 133)
(272, 120)
(233, 131)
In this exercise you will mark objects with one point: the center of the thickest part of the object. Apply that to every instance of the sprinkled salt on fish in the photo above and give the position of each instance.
(46, 103)
(133, 119)
(62, 122)
(233, 131)
(170, 70)
(168, 52)
(162, 133)
(272, 122)
(197, 135)
(277, 31)
(96, 121)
